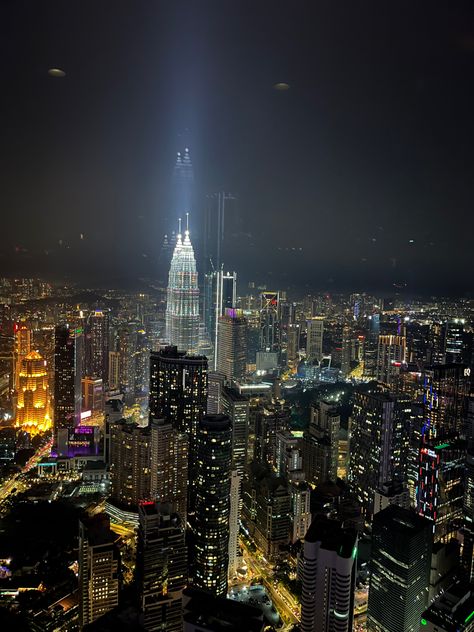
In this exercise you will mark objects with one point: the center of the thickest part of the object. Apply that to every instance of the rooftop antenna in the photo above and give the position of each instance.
(179, 226)
(187, 222)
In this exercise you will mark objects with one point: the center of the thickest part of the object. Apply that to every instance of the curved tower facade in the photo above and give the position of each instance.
(32, 413)
(182, 304)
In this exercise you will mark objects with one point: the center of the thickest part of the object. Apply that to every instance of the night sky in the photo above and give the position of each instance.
(366, 162)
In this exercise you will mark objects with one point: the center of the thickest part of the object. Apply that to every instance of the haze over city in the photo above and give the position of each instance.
(364, 163)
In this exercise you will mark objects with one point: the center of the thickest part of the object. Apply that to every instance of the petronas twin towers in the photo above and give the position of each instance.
(182, 301)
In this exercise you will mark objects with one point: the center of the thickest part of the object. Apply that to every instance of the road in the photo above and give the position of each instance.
(283, 600)
(7, 487)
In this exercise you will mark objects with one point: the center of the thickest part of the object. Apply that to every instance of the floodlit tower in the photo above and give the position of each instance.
(33, 395)
(182, 306)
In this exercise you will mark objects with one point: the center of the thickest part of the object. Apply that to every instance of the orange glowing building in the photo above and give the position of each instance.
(32, 413)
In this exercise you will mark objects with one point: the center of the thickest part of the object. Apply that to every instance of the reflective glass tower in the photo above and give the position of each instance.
(182, 306)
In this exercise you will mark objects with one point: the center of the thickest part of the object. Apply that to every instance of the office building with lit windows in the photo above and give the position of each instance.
(161, 567)
(178, 393)
(399, 570)
(212, 510)
(169, 451)
(440, 490)
(97, 344)
(237, 408)
(391, 356)
(232, 344)
(130, 463)
(68, 364)
(371, 465)
(314, 339)
(328, 573)
(446, 387)
(99, 569)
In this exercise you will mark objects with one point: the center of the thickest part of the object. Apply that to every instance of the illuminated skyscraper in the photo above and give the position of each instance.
(446, 387)
(97, 345)
(130, 462)
(169, 466)
(220, 294)
(178, 394)
(371, 447)
(391, 355)
(231, 344)
(400, 570)
(99, 567)
(22, 348)
(32, 414)
(161, 568)
(182, 304)
(328, 572)
(211, 520)
(270, 337)
(314, 340)
(68, 356)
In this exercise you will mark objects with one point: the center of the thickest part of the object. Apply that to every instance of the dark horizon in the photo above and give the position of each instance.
(365, 162)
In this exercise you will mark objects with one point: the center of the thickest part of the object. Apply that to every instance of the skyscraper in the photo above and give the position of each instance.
(400, 570)
(169, 466)
(220, 294)
(178, 393)
(129, 463)
(270, 334)
(211, 520)
(68, 358)
(373, 420)
(161, 567)
(99, 568)
(314, 339)
(231, 344)
(22, 347)
(446, 387)
(97, 344)
(391, 354)
(182, 304)
(237, 408)
(32, 411)
(328, 573)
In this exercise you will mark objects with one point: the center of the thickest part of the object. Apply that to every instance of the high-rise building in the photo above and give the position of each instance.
(234, 521)
(237, 407)
(270, 333)
(182, 303)
(23, 340)
(97, 344)
(371, 465)
(32, 411)
(161, 567)
(391, 355)
(215, 384)
(266, 509)
(130, 463)
(178, 393)
(231, 344)
(440, 491)
(314, 339)
(211, 520)
(452, 611)
(169, 466)
(93, 395)
(220, 294)
(320, 445)
(114, 370)
(454, 340)
(68, 361)
(328, 572)
(300, 509)
(99, 569)
(400, 570)
(446, 387)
